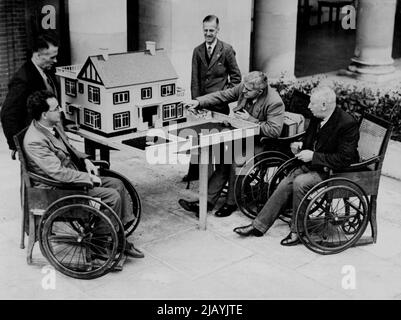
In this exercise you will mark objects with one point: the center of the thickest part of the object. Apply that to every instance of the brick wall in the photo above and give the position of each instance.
(13, 41)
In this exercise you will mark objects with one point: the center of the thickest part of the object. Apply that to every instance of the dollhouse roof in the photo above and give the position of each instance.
(132, 68)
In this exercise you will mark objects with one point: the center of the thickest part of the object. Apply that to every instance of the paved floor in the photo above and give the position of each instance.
(183, 262)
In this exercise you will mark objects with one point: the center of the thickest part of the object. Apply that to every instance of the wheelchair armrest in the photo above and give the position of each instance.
(363, 164)
(293, 138)
(61, 185)
(101, 163)
(357, 166)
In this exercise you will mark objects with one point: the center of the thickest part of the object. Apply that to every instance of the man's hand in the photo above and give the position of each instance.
(243, 114)
(192, 106)
(95, 180)
(305, 155)
(90, 167)
(296, 147)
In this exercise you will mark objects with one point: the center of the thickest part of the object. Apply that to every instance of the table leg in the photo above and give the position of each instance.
(203, 181)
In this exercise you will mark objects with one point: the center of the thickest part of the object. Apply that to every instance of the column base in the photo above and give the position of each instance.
(371, 77)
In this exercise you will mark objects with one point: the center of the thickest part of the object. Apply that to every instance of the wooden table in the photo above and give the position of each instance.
(173, 140)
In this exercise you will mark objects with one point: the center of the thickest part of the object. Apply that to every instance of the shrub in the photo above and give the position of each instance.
(384, 103)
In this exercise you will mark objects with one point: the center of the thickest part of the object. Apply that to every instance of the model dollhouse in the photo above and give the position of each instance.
(115, 94)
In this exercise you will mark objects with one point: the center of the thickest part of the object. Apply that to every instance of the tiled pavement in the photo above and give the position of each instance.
(183, 262)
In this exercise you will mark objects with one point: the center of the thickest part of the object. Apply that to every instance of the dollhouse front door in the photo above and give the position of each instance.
(147, 115)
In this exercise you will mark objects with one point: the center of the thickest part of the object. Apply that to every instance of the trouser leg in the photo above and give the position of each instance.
(301, 185)
(271, 210)
(217, 182)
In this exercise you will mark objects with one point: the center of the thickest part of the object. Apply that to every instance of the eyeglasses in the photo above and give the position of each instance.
(247, 89)
(58, 108)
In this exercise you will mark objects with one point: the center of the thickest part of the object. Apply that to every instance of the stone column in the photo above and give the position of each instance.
(274, 28)
(96, 26)
(374, 39)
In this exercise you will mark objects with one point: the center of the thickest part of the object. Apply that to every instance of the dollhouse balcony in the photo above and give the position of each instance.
(70, 72)
(180, 92)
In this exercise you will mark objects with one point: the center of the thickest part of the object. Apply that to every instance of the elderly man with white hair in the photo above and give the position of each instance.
(256, 102)
(330, 141)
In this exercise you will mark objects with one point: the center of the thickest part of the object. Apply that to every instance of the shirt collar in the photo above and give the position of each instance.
(213, 44)
(51, 130)
(42, 73)
(326, 119)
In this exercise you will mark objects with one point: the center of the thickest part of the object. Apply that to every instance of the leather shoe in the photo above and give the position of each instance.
(226, 210)
(188, 178)
(192, 206)
(133, 252)
(291, 240)
(249, 230)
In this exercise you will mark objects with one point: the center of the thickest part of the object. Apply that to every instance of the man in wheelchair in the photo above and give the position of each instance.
(258, 103)
(330, 141)
(49, 154)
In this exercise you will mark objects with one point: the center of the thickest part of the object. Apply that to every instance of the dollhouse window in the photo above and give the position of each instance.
(71, 87)
(121, 97)
(168, 90)
(93, 94)
(121, 120)
(169, 111)
(92, 119)
(146, 93)
(80, 87)
(179, 110)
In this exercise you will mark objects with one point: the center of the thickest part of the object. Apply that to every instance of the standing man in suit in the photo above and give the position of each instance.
(214, 68)
(258, 103)
(35, 74)
(49, 154)
(330, 141)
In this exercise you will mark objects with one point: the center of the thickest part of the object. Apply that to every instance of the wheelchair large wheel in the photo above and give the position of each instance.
(252, 187)
(84, 200)
(79, 241)
(134, 202)
(335, 216)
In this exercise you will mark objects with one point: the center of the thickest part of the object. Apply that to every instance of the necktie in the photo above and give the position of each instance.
(316, 137)
(209, 51)
(55, 132)
(50, 85)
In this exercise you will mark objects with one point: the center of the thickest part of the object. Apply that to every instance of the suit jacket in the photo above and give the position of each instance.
(53, 158)
(14, 113)
(221, 73)
(336, 143)
(268, 110)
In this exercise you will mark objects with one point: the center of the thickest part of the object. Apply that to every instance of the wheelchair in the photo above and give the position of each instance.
(79, 235)
(335, 213)
(253, 184)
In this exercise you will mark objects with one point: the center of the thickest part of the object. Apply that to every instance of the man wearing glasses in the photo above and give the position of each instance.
(49, 154)
(256, 102)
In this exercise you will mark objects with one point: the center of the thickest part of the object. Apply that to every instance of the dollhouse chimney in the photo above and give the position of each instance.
(151, 47)
(105, 53)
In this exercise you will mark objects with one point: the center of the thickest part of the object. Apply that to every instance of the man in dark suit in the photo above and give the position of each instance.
(49, 154)
(35, 74)
(257, 102)
(330, 141)
(214, 68)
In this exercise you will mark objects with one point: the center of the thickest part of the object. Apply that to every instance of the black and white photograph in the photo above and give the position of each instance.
(215, 151)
